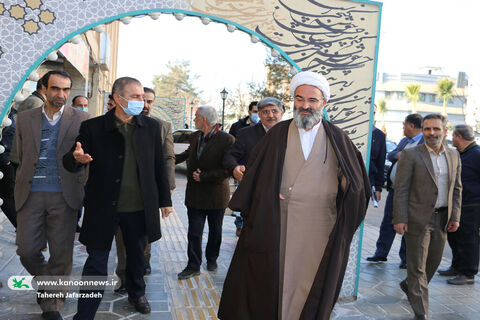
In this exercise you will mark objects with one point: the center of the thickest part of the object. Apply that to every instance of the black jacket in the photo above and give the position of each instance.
(101, 139)
(470, 158)
(246, 139)
(241, 123)
(213, 190)
(378, 152)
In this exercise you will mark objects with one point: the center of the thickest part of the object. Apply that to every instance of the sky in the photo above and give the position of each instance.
(415, 35)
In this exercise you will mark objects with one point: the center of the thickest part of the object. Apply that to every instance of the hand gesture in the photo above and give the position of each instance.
(400, 228)
(80, 156)
(196, 175)
(166, 211)
(453, 226)
(238, 172)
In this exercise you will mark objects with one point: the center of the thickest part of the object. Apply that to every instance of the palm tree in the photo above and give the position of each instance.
(413, 94)
(445, 91)
(381, 109)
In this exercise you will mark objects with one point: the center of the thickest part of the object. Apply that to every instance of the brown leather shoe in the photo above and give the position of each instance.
(449, 272)
(238, 232)
(141, 304)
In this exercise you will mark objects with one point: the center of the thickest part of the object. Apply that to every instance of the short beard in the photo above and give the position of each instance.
(306, 121)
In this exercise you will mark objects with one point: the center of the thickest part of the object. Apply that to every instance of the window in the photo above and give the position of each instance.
(433, 97)
(421, 97)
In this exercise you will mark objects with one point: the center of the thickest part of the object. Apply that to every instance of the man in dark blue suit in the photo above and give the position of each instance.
(412, 129)
(270, 111)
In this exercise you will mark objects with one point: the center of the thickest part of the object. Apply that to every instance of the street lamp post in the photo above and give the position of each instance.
(191, 113)
(224, 95)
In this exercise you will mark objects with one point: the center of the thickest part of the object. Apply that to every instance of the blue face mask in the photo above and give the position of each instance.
(84, 109)
(134, 107)
(255, 118)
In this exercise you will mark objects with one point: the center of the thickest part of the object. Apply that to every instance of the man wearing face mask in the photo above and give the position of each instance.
(252, 118)
(80, 103)
(308, 170)
(270, 111)
(127, 185)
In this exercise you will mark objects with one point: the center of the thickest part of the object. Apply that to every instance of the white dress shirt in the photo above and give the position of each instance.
(440, 168)
(307, 138)
(56, 116)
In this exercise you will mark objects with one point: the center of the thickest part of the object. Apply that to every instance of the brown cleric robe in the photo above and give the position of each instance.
(308, 214)
(252, 286)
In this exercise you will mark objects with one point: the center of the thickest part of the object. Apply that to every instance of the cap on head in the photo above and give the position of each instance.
(312, 79)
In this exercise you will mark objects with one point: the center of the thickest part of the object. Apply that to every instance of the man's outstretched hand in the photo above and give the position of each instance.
(81, 156)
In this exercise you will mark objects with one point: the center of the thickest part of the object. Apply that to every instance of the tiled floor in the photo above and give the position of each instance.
(198, 297)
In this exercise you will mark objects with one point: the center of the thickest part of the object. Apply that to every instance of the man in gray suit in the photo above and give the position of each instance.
(47, 197)
(427, 203)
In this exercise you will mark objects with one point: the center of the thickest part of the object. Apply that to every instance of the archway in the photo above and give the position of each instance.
(338, 38)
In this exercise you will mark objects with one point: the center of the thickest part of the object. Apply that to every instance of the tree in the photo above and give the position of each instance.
(445, 91)
(177, 82)
(278, 80)
(413, 94)
(381, 109)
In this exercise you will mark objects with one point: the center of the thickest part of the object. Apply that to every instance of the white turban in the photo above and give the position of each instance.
(311, 79)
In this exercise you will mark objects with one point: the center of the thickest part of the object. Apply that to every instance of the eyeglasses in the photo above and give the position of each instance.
(273, 111)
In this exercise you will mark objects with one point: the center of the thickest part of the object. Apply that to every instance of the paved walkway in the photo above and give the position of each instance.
(198, 297)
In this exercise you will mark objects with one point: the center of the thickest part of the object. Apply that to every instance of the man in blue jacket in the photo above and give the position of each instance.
(412, 129)
(465, 242)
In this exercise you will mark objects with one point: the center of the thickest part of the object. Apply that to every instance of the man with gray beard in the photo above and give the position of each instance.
(303, 195)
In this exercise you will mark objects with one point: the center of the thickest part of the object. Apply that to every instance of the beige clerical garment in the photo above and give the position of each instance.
(308, 215)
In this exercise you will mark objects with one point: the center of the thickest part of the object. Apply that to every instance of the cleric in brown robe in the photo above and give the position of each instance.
(302, 197)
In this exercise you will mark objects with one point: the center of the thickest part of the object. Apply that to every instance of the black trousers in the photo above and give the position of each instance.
(465, 242)
(7, 186)
(196, 223)
(134, 234)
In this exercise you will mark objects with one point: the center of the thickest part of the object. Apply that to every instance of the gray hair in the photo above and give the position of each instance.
(209, 113)
(270, 101)
(120, 84)
(465, 131)
(436, 116)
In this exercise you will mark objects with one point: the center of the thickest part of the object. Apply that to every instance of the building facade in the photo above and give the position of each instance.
(391, 88)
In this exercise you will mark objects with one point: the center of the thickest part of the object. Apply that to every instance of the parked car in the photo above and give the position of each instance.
(181, 142)
(390, 146)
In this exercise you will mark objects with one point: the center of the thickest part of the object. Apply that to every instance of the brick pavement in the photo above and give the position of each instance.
(197, 298)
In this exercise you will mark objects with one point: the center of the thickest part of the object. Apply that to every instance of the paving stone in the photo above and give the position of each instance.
(379, 295)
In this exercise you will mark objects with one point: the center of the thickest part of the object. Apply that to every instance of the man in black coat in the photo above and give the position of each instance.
(207, 191)
(252, 118)
(465, 242)
(127, 185)
(270, 111)
(376, 173)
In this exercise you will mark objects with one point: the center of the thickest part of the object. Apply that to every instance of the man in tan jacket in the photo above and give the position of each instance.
(427, 203)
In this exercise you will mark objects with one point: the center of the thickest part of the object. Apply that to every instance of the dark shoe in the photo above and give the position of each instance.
(148, 270)
(420, 317)
(449, 272)
(238, 232)
(121, 289)
(376, 259)
(52, 315)
(404, 287)
(141, 304)
(212, 266)
(403, 265)
(187, 273)
(461, 280)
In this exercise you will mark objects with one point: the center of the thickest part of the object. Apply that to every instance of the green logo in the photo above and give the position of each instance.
(20, 284)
